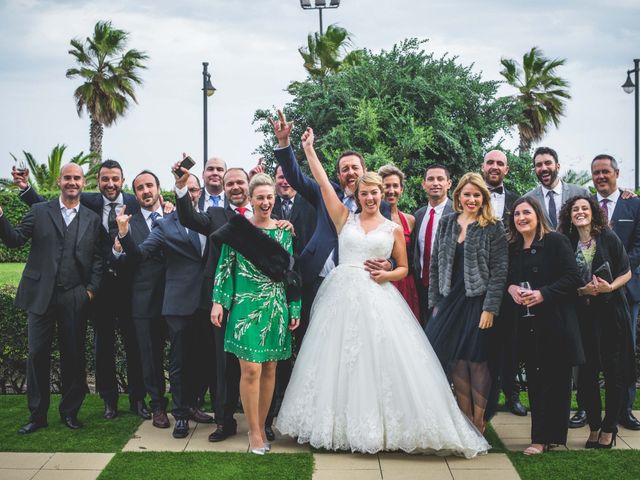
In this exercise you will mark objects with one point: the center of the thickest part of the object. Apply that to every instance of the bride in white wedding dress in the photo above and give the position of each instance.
(366, 378)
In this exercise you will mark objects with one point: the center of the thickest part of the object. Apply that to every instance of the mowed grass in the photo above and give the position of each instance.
(209, 465)
(97, 435)
(10, 273)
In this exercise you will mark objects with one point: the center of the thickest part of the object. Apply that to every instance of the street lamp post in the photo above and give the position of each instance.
(207, 90)
(319, 5)
(629, 87)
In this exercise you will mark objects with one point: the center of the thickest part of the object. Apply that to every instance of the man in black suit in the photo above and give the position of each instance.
(187, 293)
(292, 207)
(60, 278)
(236, 188)
(436, 184)
(624, 219)
(147, 294)
(495, 167)
(111, 310)
(213, 189)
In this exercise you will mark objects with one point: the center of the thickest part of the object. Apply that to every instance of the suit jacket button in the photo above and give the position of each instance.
(533, 251)
(535, 269)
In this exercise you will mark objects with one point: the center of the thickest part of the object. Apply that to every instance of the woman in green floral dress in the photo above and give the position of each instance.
(260, 318)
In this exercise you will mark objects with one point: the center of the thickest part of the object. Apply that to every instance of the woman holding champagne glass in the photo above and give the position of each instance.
(542, 283)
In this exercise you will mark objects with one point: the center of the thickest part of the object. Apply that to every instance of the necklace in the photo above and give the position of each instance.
(586, 244)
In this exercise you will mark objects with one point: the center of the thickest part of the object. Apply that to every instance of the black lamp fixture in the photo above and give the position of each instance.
(632, 87)
(319, 5)
(207, 90)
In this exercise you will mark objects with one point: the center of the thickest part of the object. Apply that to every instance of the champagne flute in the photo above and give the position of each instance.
(21, 166)
(526, 287)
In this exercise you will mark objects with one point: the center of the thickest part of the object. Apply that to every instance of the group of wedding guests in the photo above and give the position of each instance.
(451, 298)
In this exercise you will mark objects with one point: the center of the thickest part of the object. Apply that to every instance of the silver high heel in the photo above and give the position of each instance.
(257, 451)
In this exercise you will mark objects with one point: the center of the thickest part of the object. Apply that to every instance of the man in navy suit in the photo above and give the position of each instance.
(187, 294)
(213, 189)
(61, 277)
(111, 309)
(624, 220)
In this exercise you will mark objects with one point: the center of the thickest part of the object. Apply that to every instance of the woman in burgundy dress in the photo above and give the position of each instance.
(393, 180)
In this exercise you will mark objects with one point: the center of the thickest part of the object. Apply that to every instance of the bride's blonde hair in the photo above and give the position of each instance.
(370, 179)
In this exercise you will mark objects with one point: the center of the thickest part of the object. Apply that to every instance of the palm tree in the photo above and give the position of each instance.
(109, 74)
(322, 55)
(542, 94)
(577, 177)
(44, 176)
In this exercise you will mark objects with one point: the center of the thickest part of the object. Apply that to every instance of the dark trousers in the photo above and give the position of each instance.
(111, 312)
(285, 367)
(207, 360)
(589, 393)
(227, 380)
(151, 334)
(183, 367)
(68, 310)
(549, 387)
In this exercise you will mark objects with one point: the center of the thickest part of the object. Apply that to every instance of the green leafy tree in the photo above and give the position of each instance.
(109, 75)
(579, 177)
(403, 106)
(325, 54)
(44, 176)
(542, 96)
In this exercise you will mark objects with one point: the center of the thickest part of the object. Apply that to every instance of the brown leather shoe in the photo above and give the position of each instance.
(160, 419)
(199, 416)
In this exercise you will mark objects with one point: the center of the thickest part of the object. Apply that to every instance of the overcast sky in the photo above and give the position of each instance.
(252, 48)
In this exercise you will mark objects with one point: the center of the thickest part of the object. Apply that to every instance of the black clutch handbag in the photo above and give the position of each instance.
(604, 272)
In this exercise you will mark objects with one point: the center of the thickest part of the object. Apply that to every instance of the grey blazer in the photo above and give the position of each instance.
(486, 261)
(568, 190)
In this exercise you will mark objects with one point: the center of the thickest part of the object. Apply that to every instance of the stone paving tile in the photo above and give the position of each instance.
(346, 461)
(286, 444)
(492, 461)
(469, 474)
(403, 466)
(347, 475)
(199, 441)
(514, 431)
(506, 418)
(150, 438)
(22, 460)
(78, 461)
(14, 474)
(67, 475)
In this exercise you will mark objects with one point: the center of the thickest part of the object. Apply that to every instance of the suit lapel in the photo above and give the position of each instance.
(182, 231)
(56, 216)
(295, 209)
(616, 211)
(83, 223)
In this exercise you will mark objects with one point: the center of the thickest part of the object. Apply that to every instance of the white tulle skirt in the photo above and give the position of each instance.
(366, 378)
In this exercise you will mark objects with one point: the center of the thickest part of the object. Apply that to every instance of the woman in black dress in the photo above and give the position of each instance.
(467, 276)
(549, 340)
(603, 313)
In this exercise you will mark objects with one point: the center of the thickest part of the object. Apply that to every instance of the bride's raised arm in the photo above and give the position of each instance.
(337, 211)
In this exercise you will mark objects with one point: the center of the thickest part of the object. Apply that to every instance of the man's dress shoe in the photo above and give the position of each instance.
(517, 408)
(628, 421)
(32, 426)
(160, 419)
(222, 432)
(71, 421)
(199, 416)
(579, 420)
(140, 408)
(181, 430)
(110, 410)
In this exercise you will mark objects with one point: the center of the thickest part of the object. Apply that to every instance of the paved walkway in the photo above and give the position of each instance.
(513, 431)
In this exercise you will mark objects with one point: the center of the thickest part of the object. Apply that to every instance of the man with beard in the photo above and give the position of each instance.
(187, 293)
(111, 310)
(61, 277)
(147, 294)
(436, 184)
(213, 190)
(552, 191)
(236, 191)
(494, 168)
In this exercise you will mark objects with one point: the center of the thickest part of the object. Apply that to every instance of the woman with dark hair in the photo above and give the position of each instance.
(603, 313)
(467, 277)
(543, 277)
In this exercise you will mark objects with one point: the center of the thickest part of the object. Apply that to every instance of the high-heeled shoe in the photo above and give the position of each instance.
(256, 451)
(592, 443)
(531, 450)
(610, 444)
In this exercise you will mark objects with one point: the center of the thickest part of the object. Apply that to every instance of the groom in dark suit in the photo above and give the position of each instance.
(495, 167)
(60, 278)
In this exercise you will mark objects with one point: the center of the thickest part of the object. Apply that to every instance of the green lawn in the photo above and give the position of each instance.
(10, 273)
(97, 435)
(209, 465)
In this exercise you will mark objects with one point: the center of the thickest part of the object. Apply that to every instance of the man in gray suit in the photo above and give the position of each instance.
(552, 191)
(436, 184)
(61, 277)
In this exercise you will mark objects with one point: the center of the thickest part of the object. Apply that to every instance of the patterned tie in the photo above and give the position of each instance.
(426, 257)
(215, 200)
(111, 221)
(553, 215)
(242, 211)
(605, 208)
(286, 208)
(154, 219)
(350, 203)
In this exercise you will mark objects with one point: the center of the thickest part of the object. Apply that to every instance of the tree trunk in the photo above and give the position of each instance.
(525, 144)
(96, 131)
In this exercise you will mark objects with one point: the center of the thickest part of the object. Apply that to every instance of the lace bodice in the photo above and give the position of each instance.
(356, 246)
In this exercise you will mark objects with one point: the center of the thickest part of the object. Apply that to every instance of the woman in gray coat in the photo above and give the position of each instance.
(467, 278)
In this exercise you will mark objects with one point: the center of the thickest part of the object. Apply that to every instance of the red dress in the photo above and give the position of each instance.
(407, 286)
